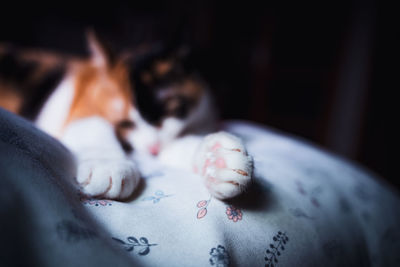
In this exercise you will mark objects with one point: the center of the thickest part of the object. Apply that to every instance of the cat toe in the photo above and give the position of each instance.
(225, 183)
(223, 162)
(113, 179)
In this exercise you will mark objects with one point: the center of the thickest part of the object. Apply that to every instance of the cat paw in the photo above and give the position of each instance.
(108, 178)
(223, 162)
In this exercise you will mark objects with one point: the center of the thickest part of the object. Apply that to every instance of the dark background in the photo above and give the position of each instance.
(317, 70)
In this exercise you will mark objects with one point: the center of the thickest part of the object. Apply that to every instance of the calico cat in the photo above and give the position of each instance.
(107, 105)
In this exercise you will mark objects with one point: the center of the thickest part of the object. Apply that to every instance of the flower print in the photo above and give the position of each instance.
(219, 257)
(233, 213)
(94, 202)
(299, 213)
(101, 202)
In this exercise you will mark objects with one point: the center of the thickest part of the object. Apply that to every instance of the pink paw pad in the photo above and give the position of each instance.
(216, 147)
(220, 163)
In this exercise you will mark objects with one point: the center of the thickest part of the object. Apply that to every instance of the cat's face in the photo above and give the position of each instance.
(167, 95)
(149, 96)
(164, 94)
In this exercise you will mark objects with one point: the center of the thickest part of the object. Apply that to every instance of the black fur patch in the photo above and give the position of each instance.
(150, 86)
(14, 70)
(40, 91)
(22, 76)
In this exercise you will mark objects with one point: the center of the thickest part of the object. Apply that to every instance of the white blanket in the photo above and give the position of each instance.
(305, 208)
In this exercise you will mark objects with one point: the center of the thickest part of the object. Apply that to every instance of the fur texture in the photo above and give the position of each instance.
(151, 102)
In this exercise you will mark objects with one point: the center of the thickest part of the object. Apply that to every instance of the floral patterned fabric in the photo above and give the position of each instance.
(305, 208)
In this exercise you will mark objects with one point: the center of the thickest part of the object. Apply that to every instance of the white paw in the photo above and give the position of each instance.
(108, 178)
(223, 161)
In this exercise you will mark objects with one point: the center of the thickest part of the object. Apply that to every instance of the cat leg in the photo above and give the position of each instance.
(179, 153)
(103, 168)
(223, 161)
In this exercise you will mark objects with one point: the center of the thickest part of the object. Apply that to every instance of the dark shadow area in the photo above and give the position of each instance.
(138, 191)
(314, 69)
(258, 196)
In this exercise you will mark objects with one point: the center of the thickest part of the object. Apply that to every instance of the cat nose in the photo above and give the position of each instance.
(154, 149)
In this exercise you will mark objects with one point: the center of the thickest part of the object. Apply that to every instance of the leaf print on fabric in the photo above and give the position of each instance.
(312, 194)
(299, 213)
(158, 195)
(219, 257)
(276, 249)
(142, 244)
(202, 204)
(300, 188)
(201, 213)
(233, 213)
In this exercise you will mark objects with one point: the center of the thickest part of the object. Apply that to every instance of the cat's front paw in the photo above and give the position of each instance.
(108, 178)
(223, 162)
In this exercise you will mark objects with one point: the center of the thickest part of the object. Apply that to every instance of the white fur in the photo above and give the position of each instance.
(200, 121)
(105, 171)
(170, 129)
(193, 150)
(180, 152)
(144, 135)
(103, 168)
(230, 180)
(54, 112)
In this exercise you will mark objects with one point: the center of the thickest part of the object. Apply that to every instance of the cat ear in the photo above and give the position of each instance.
(100, 54)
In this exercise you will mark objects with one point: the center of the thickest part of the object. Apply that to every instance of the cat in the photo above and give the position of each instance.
(102, 107)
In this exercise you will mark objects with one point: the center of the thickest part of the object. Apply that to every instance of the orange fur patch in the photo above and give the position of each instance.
(9, 99)
(101, 91)
(192, 88)
(163, 67)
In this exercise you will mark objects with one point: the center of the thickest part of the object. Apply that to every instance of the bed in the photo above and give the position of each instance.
(306, 207)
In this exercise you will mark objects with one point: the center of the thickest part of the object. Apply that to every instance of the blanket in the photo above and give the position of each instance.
(305, 207)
